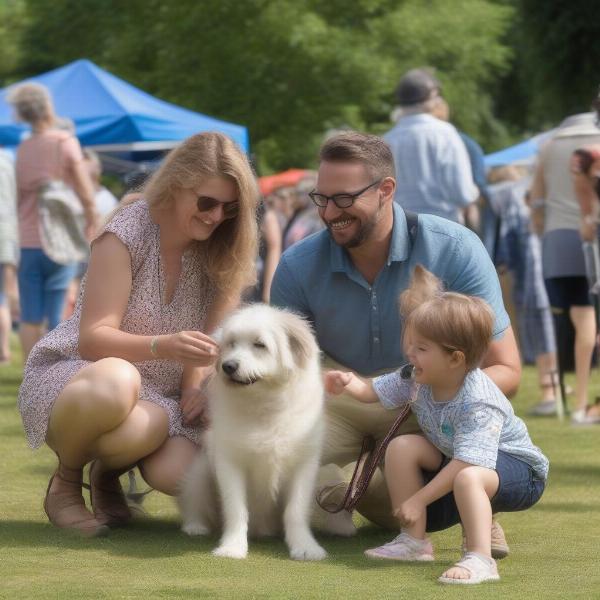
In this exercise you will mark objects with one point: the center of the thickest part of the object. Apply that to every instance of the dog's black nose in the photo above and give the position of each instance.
(230, 366)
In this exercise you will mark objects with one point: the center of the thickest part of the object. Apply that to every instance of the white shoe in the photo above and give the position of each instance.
(403, 548)
(479, 569)
(581, 417)
(546, 408)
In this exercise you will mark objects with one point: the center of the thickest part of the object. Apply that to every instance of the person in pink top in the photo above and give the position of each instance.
(120, 382)
(49, 153)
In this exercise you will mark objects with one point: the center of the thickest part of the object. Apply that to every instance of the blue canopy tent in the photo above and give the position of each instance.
(523, 153)
(112, 115)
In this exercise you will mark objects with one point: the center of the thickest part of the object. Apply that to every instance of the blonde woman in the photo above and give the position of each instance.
(119, 383)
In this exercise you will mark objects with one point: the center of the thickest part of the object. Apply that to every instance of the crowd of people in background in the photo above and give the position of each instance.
(528, 218)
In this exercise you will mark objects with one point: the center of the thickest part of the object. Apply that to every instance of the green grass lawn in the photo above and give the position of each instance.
(555, 547)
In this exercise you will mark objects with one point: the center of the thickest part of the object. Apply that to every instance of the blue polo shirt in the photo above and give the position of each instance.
(357, 324)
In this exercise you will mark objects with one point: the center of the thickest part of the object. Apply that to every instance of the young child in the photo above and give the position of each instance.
(476, 457)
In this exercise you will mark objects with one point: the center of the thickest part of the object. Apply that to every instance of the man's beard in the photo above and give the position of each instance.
(364, 233)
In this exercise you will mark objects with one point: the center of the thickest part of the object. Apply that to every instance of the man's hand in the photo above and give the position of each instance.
(410, 511)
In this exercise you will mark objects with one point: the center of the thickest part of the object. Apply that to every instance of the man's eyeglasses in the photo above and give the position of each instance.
(230, 209)
(340, 200)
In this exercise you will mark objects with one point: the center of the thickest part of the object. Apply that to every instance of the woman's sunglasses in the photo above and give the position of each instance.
(230, 209)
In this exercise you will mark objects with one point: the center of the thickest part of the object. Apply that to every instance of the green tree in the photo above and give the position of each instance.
(556, 70)
(463, 41)
(12, 23)
(288, 69)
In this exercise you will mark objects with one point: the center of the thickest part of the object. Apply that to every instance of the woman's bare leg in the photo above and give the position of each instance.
(547, 368)
(5, 326)
(584, 321)
(164, 469)
(97, 415)
(11, 289)
(30, 334)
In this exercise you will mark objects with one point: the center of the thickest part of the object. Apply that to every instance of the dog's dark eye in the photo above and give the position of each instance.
(260, 345)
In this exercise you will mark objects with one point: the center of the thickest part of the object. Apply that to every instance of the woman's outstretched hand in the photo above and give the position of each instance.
(192, 348)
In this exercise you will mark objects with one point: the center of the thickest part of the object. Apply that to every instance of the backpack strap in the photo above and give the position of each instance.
(412, 224)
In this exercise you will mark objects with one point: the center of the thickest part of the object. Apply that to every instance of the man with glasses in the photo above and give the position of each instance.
(346, 280)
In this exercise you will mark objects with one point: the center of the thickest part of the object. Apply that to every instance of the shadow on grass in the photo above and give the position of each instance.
(348, 552)
(45, 470)
(152, 538)
(573, 474)
(566, 507)
(143, 539)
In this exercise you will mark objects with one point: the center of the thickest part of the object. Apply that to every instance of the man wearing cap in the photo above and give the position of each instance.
(433, 172)
(346, 281)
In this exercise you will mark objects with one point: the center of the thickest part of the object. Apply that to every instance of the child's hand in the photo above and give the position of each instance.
(410, 511)
(336, 382)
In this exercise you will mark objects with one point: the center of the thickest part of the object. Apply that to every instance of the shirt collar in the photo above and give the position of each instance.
(399, 246)
(416, 118)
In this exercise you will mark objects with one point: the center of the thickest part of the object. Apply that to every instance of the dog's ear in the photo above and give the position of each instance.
(301, 339)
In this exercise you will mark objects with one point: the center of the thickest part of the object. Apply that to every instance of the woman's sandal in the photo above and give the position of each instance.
(585, 417)
(478, 568)
(595, 406)
(107, 497)
(66, 508)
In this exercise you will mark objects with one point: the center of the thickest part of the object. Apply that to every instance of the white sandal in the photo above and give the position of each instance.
(479, 570)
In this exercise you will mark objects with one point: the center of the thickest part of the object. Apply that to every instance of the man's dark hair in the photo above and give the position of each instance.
(369, 150)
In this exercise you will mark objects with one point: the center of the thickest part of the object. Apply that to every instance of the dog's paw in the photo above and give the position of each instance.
(310, 551)
(231, 551)
(195, 528)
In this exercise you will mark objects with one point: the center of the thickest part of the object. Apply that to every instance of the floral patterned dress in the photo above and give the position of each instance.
(55, 358)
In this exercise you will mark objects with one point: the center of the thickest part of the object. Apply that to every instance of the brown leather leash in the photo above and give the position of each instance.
(371, 455)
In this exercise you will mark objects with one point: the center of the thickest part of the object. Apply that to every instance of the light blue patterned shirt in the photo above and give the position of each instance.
(433, 170)
(471, 427)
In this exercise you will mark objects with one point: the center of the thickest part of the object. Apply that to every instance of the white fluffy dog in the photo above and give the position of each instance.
(265, 441)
